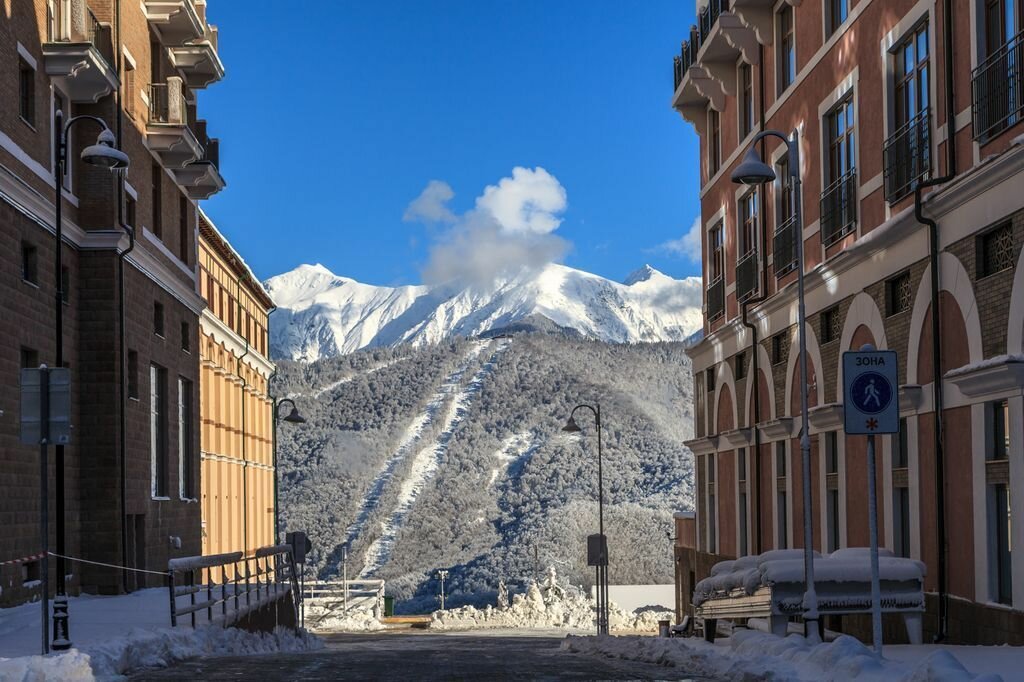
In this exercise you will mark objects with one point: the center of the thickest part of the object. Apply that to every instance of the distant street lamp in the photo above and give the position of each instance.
(442, 574)
(293, 417)
(106, 155)
(753, 171)
(602, 568)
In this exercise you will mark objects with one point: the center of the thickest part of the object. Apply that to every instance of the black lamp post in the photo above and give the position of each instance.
(602, 563)
(293, 417)
(103, 154)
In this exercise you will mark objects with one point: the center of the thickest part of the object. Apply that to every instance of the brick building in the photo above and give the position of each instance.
(235, 408)
(889, 99)
(132, 490)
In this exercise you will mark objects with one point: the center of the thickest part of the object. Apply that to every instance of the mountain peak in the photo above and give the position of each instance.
(642, 275)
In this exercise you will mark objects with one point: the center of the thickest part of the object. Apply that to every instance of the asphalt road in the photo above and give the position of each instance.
(426, 656)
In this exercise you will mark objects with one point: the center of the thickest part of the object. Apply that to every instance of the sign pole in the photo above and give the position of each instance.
(44, 502)
(876, 590)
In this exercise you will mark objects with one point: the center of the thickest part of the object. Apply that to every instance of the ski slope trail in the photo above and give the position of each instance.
(427, 461)
(406, 446)
(516, 448)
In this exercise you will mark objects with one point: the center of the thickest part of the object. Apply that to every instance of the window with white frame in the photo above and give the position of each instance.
(786, 50)
(832, 491)
(907, 151)
(839, 199)
(186, 467)
(741, 474)
(900, 492)
(158, 430)
(997, 479)
(714, 142)
(781, 502)
(712, 506)
(746, 99)
(836, 12)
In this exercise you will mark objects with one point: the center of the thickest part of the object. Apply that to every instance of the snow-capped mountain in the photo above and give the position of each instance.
(321, 315)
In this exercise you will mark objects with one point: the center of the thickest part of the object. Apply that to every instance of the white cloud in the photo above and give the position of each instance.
(431, 206)
(688, 246)
(529, 201)
(509, 229)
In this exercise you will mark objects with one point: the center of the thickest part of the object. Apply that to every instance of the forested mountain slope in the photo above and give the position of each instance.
(452, 456)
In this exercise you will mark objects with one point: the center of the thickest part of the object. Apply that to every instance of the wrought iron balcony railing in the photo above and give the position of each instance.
(839, 208)
(166, 103)
(706, 21)
(716, 299)
(746, 276)
(998, 90)
(784, 247)
(907, 157)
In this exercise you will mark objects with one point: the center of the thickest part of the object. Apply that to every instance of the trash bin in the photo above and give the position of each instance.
(663, 628)
(389, 606)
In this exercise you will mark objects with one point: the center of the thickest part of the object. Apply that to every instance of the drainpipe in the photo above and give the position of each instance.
(245, 461)
(754, 366)
(933, 258)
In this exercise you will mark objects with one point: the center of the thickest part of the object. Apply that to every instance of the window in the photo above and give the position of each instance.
(741, 464)
(133, 374)
(830, 327)
(783, 541)
(129, 210)
(712, 506)
(714, 142)
(158, 319)
(832, 491)
(836, 12)
(901, 521)
(748, 223)
(780, 347)
(31, 573)
(746, 113)
(780, 459)
(716, 252)
(129, 95)
(786, 59)
(27, 92)
(29, 263)
(999, 448)
(907, 151)
(186, 477)
(899, 447)
(839, 128)
(741, 366)
(911, 73)
(1001, 24)
(158, 429)
(897, 294)
(832, 452)
(156, 177)
(183, 233)
(995, 250)
(65, 284)
(785, 199)
(839, 199)
(29, 358)
(709, 379)
(186, 337)
(1000, 542)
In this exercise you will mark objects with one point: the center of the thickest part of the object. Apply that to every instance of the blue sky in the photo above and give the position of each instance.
(334, 116)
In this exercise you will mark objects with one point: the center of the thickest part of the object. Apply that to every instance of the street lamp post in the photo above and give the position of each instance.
(602, 569)
(753, 171)
(292, 417)
(103, 154)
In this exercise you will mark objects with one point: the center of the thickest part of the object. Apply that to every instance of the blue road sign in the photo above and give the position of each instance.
(870, 392)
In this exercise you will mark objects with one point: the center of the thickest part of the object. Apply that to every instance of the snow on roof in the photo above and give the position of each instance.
(225, 245)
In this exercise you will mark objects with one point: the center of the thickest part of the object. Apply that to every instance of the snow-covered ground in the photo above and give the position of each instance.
(116, 635)
(749, 654)
(517, 448)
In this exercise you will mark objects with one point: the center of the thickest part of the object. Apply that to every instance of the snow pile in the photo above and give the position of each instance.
(851, 565)
(548, 605)
(755, 655)
(141, 649)
(356, 620)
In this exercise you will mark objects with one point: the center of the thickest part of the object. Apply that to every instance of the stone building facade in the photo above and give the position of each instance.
(235, 408)
(131, 301)
(900, 105)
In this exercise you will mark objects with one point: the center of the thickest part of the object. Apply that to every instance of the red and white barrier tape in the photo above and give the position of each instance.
(24, 559)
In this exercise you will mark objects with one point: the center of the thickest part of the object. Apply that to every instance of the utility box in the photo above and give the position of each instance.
(49, 389)
(597, 550)
(301, 545)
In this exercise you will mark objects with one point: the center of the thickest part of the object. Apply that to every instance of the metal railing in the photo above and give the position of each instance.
(907, 157)
(210, 145)
(223, 588)
(746, 276)
(784, 247)
(716, 298)
(166, 104)
(92, 31)
(706, 21)
(839, 208)
(997, 86)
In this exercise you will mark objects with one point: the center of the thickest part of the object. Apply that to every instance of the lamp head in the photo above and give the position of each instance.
(752, 170)
(571, 426)
(104, 154)
(294, 417)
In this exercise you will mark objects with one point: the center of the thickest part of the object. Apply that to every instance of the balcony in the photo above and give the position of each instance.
(784, 248)
(78, 54)
(198, 60)
(716, 299)
(998, 90)
(907, 156)
(175, 21)
(839, 208)
(201, 179)
(167, 130)
(746, 276)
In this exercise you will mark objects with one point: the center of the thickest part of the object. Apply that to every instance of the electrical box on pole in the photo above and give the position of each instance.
(597, 550)
(871, 406)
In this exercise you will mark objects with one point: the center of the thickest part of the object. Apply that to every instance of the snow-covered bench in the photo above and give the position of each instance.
(771, 585)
